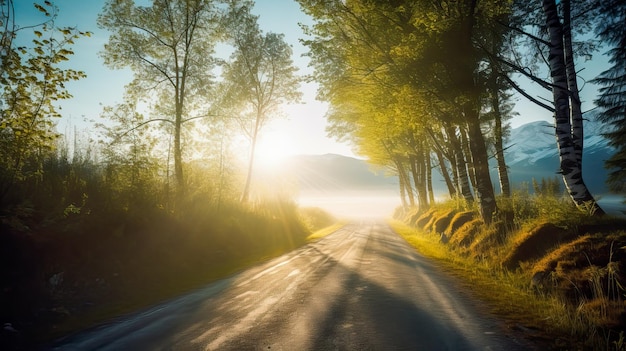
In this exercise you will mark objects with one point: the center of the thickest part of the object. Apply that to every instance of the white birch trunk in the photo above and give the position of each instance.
(570, 168)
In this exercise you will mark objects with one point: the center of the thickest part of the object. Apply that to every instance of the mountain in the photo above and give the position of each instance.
(344, 186)
(531, 152)
(333, 173)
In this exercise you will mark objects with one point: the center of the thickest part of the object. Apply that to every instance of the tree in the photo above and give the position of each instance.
(554, 46)
(612, 99)
(402, 59)
(260, 76)
(567, 122)
(32, 80)
(169, 46)
(131, 168)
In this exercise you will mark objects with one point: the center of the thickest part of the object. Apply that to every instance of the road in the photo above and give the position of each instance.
(360, 288)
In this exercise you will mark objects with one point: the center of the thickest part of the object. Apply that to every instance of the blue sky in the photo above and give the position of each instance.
(303, 129)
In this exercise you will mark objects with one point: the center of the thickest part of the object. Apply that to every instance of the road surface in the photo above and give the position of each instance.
(360, 288)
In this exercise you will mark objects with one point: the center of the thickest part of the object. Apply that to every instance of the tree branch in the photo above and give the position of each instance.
(139, 126)
(520, 31)
(525, 94)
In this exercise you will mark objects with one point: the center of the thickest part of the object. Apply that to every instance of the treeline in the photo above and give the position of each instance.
(86, 241)
(423, 85)
(185, 105)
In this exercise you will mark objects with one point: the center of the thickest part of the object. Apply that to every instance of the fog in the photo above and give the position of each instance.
(353, 205)
(371, 204)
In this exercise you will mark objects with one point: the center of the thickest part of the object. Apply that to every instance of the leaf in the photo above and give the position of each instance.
(38, 33)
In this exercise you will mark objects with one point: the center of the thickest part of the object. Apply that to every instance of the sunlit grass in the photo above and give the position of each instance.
(507, 294)
(325, 231)
(545, 266)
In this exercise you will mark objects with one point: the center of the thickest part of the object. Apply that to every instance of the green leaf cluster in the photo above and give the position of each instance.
(32, 81)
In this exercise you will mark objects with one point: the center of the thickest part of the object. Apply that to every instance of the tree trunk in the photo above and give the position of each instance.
(484, 187)
(245, 196)
(572, 84)
(439, 151)
(463, 180)
(405, 185)
(444, 172)
(402, 190)
(422, 191)
(469, 158)
(429, 179)
(503, 174)
(178, 154)
(415, 175)
(570, 168)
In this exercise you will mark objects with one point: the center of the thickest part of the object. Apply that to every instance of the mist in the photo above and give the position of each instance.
(353, 205)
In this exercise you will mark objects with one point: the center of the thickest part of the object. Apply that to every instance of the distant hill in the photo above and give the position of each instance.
(332, 173)
(530, 153)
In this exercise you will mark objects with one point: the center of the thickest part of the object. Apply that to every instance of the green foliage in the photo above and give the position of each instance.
(258, 79)
(396, 75)
(32, 80)
(612, 100)
(101, 228)
(169, 45)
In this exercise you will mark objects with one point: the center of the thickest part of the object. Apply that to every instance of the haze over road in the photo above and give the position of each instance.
(361, 288)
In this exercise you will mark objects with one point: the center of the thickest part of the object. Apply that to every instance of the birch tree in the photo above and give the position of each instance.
(545, 31)
(567, 119)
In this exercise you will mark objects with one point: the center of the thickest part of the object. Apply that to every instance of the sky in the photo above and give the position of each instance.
(300, 131)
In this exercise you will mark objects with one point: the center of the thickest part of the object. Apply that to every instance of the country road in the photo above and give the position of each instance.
(360, 288)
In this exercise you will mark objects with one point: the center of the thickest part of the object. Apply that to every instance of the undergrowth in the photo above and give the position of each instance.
(553, 270)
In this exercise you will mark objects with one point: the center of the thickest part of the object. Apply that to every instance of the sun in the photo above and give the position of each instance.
(272, 149)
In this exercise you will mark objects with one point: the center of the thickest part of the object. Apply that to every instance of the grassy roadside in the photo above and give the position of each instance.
(324, 232)
(544, 318)
(140, 260)
(311, 218)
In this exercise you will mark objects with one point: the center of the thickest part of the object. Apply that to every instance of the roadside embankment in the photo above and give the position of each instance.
(555, 272)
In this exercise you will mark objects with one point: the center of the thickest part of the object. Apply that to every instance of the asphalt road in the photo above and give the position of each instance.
(360, 288)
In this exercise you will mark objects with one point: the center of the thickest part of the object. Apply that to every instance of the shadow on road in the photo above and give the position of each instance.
(360, 288)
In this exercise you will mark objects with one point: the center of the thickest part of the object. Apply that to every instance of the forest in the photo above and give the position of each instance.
(158, 200)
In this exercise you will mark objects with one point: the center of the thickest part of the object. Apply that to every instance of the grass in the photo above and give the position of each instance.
(148, 256)
(546, 318)
(324, 232)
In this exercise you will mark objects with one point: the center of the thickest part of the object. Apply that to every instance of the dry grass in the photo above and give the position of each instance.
(325, 231)
(507, 294)
(459, 219)
(554, 267)
(535, 243)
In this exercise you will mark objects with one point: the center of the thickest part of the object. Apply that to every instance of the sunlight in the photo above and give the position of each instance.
(272, 149)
